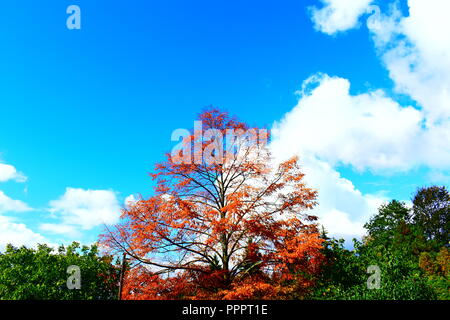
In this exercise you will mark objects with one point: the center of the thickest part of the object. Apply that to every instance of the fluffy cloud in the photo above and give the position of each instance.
(329, 126)
(11, 232)
(9, 172)
(416, 52)
(84, 209)
(338, 15)
(64, 229)
(10, 205)
(18, 234)
(342, 208)
(130, 200)
(414, 48)
(367, 131)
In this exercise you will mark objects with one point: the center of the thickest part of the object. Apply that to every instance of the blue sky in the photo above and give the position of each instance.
(93, 109)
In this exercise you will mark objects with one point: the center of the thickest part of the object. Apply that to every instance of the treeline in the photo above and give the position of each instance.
(407, 250)
(410, 246)
(44, 274)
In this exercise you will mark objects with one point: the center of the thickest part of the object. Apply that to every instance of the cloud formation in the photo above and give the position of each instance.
(367, 131)
(338, 15)
(371, 130)
(85, 209)
(328, 127)
(9, 172)
(414, 48)
(416, 52)
(10, 205)
(18, 234)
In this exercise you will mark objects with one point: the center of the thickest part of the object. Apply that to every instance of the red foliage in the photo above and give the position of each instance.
(231, 229)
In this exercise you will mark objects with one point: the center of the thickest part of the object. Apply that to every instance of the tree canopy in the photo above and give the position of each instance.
(230, 225)
(41, 274)
(409, 245)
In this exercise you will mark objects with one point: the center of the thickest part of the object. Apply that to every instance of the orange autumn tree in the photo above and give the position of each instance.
(225, 221)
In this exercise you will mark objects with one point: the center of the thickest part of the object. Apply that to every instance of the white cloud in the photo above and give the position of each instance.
(367, 130)
(9, 172)
(339, 224)
(85, 209)
(10, 205)
(416, 52)
(342, 209)
(415, 49)
(11, 232)
(64, 229)
(338, 15)
(130, 200)
(18, 234)
(329, 126)
(370, 130)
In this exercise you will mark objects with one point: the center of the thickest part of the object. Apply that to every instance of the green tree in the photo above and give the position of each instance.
(394, 227)
(437, 268)
(384, 227)
(431, 206)
(394, 243)
(341, 271)
(29, 274)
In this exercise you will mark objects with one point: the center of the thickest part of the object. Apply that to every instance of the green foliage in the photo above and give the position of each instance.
(437, 269)
(432, 213)
(410, 246)
(342, 271)
(41, 273)
(390, 221)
